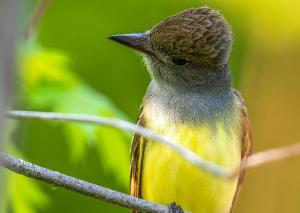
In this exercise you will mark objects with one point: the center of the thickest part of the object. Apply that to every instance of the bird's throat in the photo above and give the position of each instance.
(190, 105)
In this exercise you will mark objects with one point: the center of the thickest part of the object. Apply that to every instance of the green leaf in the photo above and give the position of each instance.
(25, 195)
(51, 86)
(22, 194)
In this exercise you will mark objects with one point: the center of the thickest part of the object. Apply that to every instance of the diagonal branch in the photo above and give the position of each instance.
(39, 12)
(121, 199)
(124, 125)
(272, 155)
(254, 160)
(58, 179)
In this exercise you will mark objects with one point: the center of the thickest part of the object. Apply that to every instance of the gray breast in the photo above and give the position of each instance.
(194, 107)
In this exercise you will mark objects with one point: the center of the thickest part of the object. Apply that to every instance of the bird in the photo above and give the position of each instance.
(191, 101)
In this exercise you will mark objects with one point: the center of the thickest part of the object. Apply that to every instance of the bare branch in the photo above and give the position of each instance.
(99, 192)
(58, 179)
(254, 160)
(272, 155)
(124, 125)
(39, 12)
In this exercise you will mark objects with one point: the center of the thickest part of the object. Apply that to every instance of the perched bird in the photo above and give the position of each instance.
(191, 101)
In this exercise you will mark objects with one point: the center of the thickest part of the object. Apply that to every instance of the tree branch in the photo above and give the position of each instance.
(121, 199)
(272, 155)
(124, 125)
(39, 12)
(254, 160)
(58, 179)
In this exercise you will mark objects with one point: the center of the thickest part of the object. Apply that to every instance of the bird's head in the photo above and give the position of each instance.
(190, 48)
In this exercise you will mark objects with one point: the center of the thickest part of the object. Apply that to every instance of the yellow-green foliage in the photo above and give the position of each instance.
(49, 85)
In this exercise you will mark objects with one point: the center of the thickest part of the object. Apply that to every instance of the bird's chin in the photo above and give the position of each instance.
(154, 67)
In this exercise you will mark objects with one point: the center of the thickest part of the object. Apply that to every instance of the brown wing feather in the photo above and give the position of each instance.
(246, 146)
(137, 152)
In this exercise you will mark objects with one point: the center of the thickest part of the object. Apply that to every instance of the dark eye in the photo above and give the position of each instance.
(179, 61)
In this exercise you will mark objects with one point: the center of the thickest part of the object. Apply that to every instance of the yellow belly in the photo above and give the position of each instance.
(167, 177)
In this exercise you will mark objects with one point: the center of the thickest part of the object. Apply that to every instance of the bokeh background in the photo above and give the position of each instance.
(68, 65)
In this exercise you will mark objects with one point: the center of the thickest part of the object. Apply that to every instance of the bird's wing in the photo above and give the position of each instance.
(246, 140)
(136, 162)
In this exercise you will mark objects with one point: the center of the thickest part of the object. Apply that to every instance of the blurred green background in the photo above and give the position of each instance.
(68, 65)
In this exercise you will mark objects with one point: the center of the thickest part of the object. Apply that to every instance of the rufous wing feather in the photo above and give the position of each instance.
(246, 141)
(136, 162)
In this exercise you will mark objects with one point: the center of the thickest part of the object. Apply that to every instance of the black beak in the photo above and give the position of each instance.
(137, 41)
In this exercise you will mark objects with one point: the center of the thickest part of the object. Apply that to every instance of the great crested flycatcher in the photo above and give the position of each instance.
(191, 101)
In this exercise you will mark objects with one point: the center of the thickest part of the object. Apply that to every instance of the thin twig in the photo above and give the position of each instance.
(99, 192)
(272, 155)
(39, 12)
(124, 125)
(58, 179)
